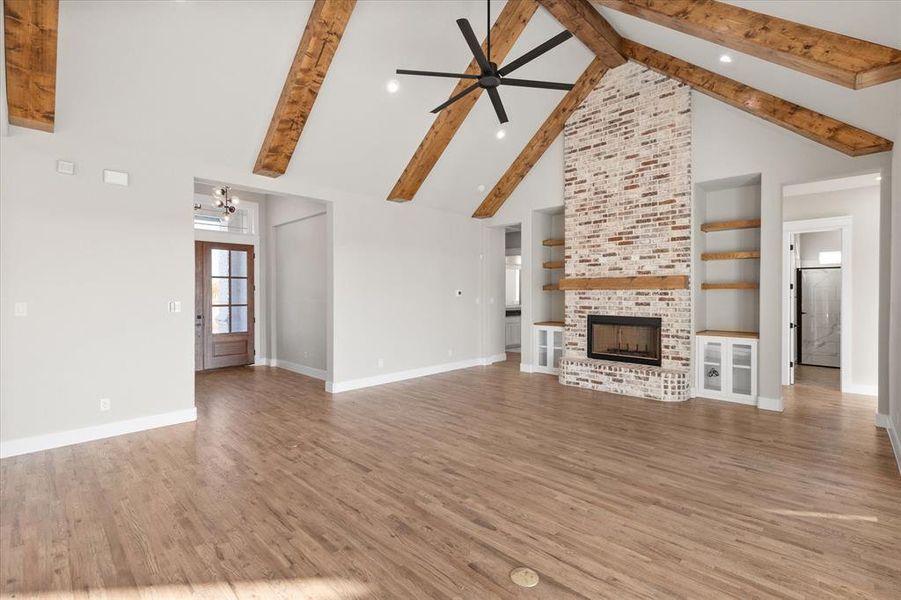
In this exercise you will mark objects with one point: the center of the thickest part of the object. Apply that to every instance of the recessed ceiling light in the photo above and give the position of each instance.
(481, 188)
(725, 58)
(501, 134)
(392, 86)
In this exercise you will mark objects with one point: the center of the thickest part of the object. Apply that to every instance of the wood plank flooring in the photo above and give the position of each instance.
(436, 488)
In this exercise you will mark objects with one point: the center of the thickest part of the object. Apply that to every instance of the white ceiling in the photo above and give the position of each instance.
(198, 80)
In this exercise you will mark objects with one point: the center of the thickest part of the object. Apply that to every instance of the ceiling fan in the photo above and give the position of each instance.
(492, 76)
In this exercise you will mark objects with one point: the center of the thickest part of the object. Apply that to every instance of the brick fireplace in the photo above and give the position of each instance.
(627, 190)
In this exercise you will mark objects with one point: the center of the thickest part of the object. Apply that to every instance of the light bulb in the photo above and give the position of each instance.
(219, 191)
(235, 200)
(725, 58)
(392, 86)
(501, 134)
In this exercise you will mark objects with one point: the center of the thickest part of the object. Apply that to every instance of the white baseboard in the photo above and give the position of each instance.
(47, 441)
(320, 374)
(860, 388)
(775, 404)
(364, 382)
(525, 367)
(883, 420)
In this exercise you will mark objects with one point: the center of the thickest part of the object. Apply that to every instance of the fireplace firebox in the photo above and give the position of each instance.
(624, 339)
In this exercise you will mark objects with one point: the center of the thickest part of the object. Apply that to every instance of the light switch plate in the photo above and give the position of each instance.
(20, 309)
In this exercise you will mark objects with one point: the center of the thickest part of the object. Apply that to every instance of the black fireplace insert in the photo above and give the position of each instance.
(624, 339)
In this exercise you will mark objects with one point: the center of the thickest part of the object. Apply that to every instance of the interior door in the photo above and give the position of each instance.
(227, 316)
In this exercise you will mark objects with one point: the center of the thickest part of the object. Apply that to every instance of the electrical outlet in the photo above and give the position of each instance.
(174, 306)
(20, 309)
(381, 362)
(104, 404)
(450, 351)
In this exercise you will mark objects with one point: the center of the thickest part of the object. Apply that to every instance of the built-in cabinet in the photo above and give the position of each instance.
(513, 337)
(727, 368)
(548, 347)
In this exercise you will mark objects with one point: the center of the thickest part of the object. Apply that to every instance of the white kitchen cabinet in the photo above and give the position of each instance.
(727, 368)
(513, 336)
(548, 348)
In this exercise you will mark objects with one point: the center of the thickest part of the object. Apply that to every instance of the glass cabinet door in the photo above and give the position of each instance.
(741, 369)
(557, 348)
(543, 348)
(712, 376)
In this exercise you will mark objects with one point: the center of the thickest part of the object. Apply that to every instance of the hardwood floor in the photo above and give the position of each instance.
(818, 377)
(436, 488)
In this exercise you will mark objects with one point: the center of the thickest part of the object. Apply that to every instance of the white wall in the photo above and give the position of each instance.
(863, 205)
(97, 265)
(893, 408)
(300, 292)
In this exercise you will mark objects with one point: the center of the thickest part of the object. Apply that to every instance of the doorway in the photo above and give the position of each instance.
(513, 290)
(224, 309)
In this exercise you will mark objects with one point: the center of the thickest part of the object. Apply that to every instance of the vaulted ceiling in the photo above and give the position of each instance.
(201, 81)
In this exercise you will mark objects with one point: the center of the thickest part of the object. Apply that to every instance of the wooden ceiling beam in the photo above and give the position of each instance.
(510, 23)
(314, 55)
(541, 141)
(820, 128)
(30, 32)
(582, 20)
(841, 59)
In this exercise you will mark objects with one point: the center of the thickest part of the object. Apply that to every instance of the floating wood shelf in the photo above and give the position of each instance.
(553, 242)
(550, 287)
(641, 282)
(550, 323)
(731, 255)
(553, 264)
(730, 334)
(727, 225)
(735, 285)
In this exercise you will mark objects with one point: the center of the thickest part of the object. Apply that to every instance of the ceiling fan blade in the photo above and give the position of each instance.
(535, 52)
(474, 44)
(498, 105)
(437, 74)
(547, 85)
(453, 99)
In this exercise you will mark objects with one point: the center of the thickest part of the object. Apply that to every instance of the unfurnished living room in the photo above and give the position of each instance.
(450, 299)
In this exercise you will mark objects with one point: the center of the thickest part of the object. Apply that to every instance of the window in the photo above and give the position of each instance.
(229, 291)
(830, 257)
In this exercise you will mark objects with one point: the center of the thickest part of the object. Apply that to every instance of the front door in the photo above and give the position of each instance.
(224, 314)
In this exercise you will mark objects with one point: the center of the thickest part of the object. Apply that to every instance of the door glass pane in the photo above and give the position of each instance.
(239, 263)
(741, 355)
(542, 357)
(712, 377)
(239, 319)
(741, 380)
(557, 353)
(220, 263)
(542, 337)
(220, 319)
(220, 290)
(239, 291)
(712, 352)
(558, 339)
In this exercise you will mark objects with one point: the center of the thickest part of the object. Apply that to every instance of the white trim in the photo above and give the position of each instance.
(886, 423)
(861, 388)
(47, 441)
(790, 228)
(774, 404)
(365, 382)
(525, 367)
(302, 369)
